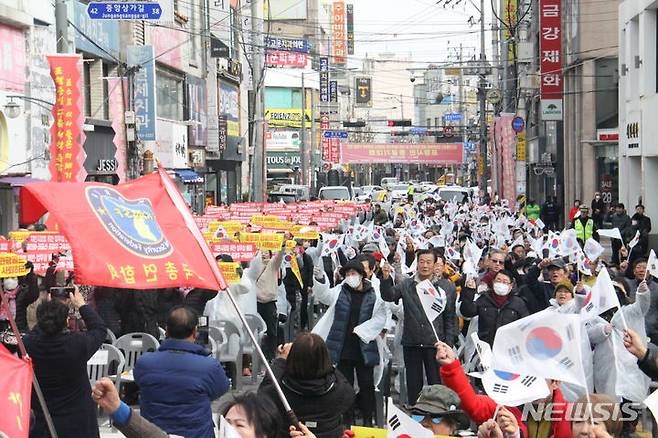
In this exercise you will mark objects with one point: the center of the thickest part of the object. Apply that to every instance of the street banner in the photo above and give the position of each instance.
(426, 153)
(131, 235)
(67, 156)
(16, 390)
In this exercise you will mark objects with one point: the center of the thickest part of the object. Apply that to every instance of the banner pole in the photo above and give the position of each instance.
(178, 201)
(23, 353)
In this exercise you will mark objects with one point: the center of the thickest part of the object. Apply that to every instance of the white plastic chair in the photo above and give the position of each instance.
(110, 338)
(108, 361)
(229, 347)
(258, 326)
(133, 345)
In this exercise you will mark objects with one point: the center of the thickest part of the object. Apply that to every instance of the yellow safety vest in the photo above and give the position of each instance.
(584, 233)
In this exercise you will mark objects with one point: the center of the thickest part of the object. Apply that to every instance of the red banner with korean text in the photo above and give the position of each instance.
(338, 45)
(67, 156)
(550, 59)
(275, 58)
(16, 389)
(132, 235)
(426, 153)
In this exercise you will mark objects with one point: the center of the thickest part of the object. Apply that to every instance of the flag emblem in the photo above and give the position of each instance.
(505, 375)
(543, 343)
(131, 223)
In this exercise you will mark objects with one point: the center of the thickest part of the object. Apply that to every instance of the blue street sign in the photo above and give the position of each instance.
(334, 134)
(124, 11)
(418, 131)
(453, 117)
(518, 124)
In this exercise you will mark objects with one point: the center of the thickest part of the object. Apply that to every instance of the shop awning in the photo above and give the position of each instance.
(189, 176)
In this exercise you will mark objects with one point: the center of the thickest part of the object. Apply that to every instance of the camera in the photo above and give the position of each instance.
(202, 331)
(62, 293)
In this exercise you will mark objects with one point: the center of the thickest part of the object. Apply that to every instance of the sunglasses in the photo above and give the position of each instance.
(421, 418)
(498, 262)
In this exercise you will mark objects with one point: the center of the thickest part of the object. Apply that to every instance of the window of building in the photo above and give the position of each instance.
(86, 78)
(169, 91)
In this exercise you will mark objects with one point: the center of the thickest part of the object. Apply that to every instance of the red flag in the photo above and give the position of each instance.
(15, 392)
(136, 235)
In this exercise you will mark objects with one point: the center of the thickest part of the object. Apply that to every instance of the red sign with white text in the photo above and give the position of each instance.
(66, 153)
(338, 46)
(550, 41)
(426, 153)
(239, 251)
(285, 59)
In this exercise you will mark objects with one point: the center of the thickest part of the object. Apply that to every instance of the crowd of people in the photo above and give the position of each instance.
(492, 266)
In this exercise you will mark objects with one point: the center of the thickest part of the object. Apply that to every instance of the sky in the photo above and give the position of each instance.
(427, 30)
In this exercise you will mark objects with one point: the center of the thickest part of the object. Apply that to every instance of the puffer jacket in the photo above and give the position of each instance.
(491, 317)
(417, 331)
(319, 403)
(338, 332)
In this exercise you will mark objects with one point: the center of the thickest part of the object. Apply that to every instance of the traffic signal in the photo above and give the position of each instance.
(403, 122)
(357, 124)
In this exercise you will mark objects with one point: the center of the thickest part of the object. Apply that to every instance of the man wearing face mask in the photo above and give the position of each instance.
(418, 337)
(598, 209)
(495, 307)
(355, 318)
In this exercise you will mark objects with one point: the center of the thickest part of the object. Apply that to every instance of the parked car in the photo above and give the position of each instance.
(398, 192)
(337, 193)
(374, 193)
(389, 181)
(302, 192)
(450, 193)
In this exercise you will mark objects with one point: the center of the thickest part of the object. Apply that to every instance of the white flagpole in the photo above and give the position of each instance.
(178, 201)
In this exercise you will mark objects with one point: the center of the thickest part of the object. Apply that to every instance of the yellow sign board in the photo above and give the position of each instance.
(231, 227)
(287, 117)
(230, 271)
(305, 232)
(11, 265)
(520, 146)
(265, 241)
(372, 432)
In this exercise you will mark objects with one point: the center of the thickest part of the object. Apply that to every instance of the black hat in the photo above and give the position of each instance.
(557, 263)
(353, 266)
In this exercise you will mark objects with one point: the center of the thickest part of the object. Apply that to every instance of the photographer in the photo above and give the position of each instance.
(60, 363)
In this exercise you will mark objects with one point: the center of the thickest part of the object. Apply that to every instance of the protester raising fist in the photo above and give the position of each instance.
(445, 355)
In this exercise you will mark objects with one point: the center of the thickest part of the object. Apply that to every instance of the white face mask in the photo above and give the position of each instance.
(10, 283)
(501, 289)
(353, 280)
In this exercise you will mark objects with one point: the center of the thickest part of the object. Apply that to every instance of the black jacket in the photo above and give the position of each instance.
(623, 223)
(138, 310)
(491, 317)
(321, 401)
(104, 302)
(305, 269)
(60, 364)
(536, 294)
(28, 294)
(642, 224)
(197, 299)
(648, 363)
(550, 212)
(417, 331)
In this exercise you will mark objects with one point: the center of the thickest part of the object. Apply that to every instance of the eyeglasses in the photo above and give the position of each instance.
(498, 262)
(421, 418)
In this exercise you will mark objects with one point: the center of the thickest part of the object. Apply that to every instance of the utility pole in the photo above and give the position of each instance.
(483, 104)
(62, 26)
(302, 137)
(258, 71)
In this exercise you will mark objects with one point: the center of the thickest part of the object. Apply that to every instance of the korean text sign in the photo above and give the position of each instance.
(426, 153)
(551, 49)
(144, 91)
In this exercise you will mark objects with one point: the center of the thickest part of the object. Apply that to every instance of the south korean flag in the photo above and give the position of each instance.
(432, 298)
(400, 425)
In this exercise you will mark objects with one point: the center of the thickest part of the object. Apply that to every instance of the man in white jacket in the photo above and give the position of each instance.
(265, 272)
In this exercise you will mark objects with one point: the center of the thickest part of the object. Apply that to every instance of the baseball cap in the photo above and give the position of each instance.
(557, 263)
(440, 401)
(564, 284)
(370, 247)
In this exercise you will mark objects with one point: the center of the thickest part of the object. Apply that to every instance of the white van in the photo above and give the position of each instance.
(389, 181)
(336, 193)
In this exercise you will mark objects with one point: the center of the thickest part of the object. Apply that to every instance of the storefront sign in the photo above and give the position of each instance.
(520, 147)
(197, 102)
(66, 154)
(12, 56)
(171, 147)
(350, 29)
(222, 131)
(363, 88)
(550, 57)
(427, 153)
(338, 49)
(333, 91)
(288, 44)
(283, 160)
(287, 118)
(285, 59)
(282, 140)
(144, 91)
(324, 79)
(106, 166)
(229, 105)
